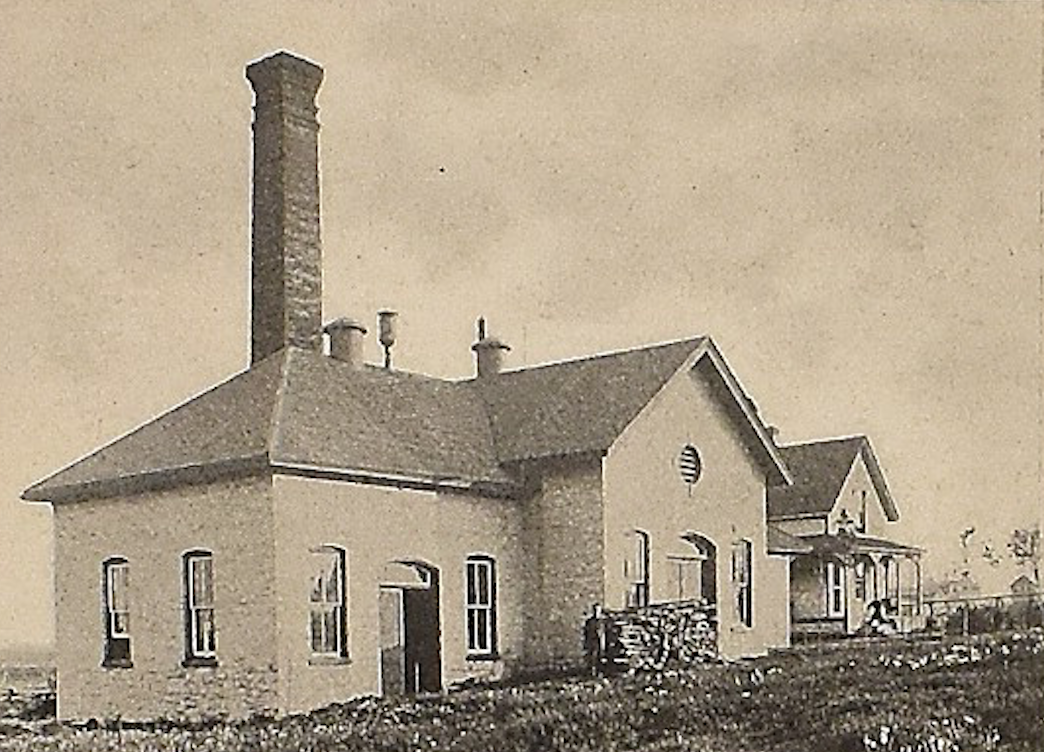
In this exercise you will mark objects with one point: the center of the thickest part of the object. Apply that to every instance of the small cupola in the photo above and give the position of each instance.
(489, 353)
(346, 341)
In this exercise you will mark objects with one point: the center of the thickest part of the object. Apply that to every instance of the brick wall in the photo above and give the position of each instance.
(564, 534)
(377, 526)
(152, 531)
(645, 491)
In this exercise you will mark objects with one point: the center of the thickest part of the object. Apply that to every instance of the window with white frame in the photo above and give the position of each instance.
(200, 630)
(860, 580)
(742, 581)
(835, 587)
(480, 605)
(115, 582)
(638, 568)
(328, 621)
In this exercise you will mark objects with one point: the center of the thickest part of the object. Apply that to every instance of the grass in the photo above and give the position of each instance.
(982, 693)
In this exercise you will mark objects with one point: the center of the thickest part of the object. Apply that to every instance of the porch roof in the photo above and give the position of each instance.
(783, 543)
(852, 543)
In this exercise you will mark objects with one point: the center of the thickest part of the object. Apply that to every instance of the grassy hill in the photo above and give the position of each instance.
(983, 693)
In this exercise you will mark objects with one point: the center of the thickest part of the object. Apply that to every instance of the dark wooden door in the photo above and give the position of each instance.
(423, 652)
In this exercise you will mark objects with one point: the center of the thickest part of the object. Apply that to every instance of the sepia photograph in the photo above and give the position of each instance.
(522, 376)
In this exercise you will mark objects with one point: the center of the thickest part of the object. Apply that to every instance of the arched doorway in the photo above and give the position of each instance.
(410, 644)
(705, 568)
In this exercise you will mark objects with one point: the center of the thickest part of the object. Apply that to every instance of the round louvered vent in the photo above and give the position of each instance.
(689, 464)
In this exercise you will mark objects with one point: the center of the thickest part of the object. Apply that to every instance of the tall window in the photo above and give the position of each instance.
(638, 595)
(860, 580)
(862, 511)
(480, 605)
(328, 615)
(835, 586)
(200, 633)
(741, 578)
(115, 580)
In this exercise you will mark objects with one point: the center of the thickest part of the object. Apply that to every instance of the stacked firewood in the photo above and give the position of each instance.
(651, 638)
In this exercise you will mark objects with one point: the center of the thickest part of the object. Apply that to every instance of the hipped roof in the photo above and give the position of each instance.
(301, 411)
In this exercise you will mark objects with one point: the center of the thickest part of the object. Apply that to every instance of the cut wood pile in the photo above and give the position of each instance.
(651, 638)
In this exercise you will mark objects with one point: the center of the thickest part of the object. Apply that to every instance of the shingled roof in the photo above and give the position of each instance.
(301, 411)
(819, 470)
(576, 405)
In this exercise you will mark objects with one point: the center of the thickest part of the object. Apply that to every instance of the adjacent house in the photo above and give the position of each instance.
(1024, 585)
(317, 527)
(840, 506)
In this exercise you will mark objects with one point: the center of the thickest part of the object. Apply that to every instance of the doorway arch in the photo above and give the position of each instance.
(707, 552)
(410, 642)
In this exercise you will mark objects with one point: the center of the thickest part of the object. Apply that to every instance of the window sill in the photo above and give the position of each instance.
(199, 662)
(329, 660)
(482, 657)
(117, 663)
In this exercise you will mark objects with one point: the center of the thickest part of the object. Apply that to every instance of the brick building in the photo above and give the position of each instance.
(317, 527)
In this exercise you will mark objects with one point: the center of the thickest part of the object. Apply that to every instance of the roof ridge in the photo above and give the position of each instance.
(274, 420)
(828, 440)
(694, 341)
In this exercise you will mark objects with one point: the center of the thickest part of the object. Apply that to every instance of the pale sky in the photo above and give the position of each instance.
(844, 194)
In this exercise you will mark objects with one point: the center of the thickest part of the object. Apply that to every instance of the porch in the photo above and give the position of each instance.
(855, 584)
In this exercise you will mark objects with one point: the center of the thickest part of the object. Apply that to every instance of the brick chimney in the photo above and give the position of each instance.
(286, 257)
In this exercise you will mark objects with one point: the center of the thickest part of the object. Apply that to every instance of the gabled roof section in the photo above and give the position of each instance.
(584, 405)
(819, 469)
(578, 405)
(302, 412)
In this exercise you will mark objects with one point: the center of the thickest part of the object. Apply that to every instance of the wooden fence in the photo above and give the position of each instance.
(977, 614)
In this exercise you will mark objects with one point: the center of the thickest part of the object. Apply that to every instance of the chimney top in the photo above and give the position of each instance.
(489, 352)
(345, 323)
(286, 63)
(346, 341)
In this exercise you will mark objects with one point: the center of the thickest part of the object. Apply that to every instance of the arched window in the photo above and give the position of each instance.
(327, 603)
(200, 630)
(480, 605)
(115, 582)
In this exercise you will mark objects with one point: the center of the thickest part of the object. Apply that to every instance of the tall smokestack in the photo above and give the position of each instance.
(286, 261)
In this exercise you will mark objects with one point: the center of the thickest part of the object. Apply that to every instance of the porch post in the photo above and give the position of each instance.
(919, 604)
(899, 594)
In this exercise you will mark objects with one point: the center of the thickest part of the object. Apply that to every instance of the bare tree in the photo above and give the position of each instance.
(1024, 545)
